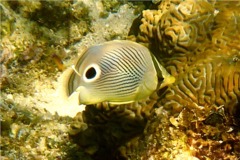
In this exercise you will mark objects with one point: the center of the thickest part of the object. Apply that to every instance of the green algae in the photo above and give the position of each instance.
(111, 5)
(41, 23)
(32, 31)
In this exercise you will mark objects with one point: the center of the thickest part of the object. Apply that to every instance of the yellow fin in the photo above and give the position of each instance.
(162, 73)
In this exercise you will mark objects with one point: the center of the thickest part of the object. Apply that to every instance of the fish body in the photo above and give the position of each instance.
(116, 72)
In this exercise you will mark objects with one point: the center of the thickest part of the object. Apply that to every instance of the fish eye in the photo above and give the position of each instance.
(91, 73)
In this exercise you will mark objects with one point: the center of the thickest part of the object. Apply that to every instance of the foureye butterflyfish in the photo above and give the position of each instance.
(116, 72)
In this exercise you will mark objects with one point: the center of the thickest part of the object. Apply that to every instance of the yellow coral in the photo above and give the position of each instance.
(198, 43)
(214, 80)
(177, 26)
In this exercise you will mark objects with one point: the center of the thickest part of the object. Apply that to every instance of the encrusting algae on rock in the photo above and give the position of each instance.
(196, 117)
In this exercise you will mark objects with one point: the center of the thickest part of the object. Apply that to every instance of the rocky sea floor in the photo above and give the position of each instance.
(40, 39)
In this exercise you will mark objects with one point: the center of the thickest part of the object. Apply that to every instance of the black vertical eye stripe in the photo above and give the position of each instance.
(71, 85)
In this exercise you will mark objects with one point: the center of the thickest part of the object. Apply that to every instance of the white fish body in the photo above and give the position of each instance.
(117, 72)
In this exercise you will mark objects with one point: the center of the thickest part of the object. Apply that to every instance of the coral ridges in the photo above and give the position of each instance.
(195, 44)
(176, 27)
(198, 43)
(102, 129)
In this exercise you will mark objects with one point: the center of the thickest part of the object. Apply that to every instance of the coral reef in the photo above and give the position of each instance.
(102, 129)
(208, 73)
(188, 135)
(176, 27)
(197, 117)
(211, 80)
(203, 104)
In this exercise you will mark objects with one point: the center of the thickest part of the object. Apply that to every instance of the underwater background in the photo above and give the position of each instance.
(197, 117)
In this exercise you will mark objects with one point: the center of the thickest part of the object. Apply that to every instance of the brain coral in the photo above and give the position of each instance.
(211, 80)
(202, 50)
(195, 117)
(177, 27)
